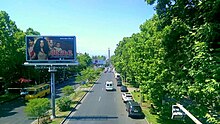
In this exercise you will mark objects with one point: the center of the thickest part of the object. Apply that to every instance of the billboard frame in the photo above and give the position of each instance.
(62, 59)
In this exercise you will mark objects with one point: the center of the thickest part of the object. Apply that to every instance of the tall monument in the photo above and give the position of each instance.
(109, 54)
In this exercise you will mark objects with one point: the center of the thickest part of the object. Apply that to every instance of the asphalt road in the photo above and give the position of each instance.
(13, 112)
(102, 107)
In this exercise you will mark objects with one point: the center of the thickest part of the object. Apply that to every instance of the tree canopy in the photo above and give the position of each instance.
(175, 56)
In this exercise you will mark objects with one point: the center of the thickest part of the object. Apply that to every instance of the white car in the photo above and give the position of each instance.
(126, 97)
(109, 85)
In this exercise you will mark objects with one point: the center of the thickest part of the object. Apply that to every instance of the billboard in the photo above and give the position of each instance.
(50, 48)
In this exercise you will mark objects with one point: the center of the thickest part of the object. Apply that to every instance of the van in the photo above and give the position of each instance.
(109, 85)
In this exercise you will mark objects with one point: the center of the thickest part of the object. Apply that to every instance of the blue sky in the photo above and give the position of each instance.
(97, 24)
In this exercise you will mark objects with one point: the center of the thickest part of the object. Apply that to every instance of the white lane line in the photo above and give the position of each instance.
(102, 89)
(99, 98)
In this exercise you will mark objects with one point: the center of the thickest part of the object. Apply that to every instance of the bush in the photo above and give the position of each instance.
(37, 107)
(64, 103)
(67, 90)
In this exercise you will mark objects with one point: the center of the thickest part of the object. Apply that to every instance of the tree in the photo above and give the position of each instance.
(99, 57)
(37, 107)
(12, 48)
(84, 61)
(89, 74)
(175, 56)
(31, 31)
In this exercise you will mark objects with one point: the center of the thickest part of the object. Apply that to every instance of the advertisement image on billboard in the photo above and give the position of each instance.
(50, 48)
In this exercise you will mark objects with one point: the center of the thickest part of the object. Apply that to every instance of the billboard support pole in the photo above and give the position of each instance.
(52, 70)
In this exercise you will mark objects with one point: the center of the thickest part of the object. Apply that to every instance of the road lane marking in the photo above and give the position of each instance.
(99, 98)
(102, 89)
(72, 113)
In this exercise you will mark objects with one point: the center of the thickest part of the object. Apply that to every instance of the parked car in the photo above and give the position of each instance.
(126, 97)
(119, 81)
(124, 88)
(134, 109)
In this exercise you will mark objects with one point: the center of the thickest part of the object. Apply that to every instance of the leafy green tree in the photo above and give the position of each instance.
(12, 50)
(12, 54)
(89, 74)
(99, 57)
(31, 31)
(84, 61)
(37, 108)
(174, 58)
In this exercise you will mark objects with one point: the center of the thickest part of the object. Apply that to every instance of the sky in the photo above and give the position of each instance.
(97, 24)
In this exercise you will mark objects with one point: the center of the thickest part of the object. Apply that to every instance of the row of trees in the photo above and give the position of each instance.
(12, 50)
(175, 57)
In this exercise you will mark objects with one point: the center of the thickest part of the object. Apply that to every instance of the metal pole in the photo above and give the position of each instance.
(53, 93)
(189, 114)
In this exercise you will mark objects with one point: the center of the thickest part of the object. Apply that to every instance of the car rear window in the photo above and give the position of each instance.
(109, 84)
(136, 108)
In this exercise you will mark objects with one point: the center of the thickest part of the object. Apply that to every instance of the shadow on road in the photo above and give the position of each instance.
(92, 117)
(7, 108)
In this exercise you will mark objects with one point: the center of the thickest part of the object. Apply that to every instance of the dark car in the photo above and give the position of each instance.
(119, 81)
(134, 110)
(124, 88)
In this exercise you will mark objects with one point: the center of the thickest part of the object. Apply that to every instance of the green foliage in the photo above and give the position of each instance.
(31, 31)
(99, 57)
(84, 61)
(11, 48)
(67, 90)
(175, 57)
(37, 107)
(12, 51)
(89, 74)
(63, 103)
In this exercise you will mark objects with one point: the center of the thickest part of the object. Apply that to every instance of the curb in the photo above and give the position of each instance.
(77, 104)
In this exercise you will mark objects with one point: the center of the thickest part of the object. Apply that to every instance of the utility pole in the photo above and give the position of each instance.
(52, 70)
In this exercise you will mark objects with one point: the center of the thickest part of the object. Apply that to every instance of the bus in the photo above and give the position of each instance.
(35, 91)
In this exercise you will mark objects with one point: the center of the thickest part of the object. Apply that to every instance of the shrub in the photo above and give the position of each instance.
(67, 90)
(37, 107)
(64, 103)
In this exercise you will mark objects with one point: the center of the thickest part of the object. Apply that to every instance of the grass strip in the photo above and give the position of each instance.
(61, 115)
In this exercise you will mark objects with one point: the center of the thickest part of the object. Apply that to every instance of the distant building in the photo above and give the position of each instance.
(98, 62)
